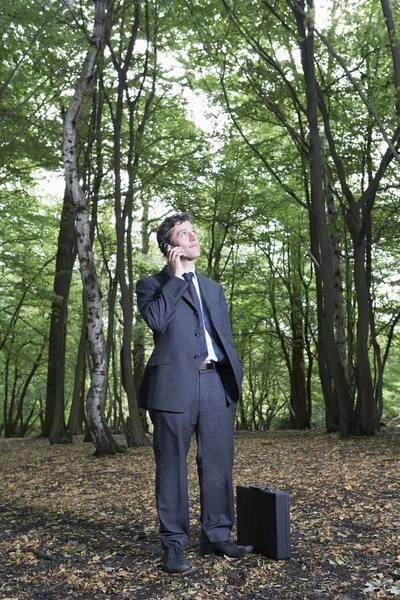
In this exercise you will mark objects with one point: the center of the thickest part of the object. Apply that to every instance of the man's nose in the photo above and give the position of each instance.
(193, 236)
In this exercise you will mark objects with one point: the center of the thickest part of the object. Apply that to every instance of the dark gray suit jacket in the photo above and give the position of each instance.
(171, 375)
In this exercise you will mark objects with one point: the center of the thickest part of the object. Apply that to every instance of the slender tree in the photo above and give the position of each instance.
(98, 428)
(54, 425)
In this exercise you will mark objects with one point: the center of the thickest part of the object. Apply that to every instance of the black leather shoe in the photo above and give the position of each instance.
(224, 548)
(174, 559)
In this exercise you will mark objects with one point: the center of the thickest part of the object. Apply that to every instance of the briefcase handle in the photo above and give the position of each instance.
(264, 488)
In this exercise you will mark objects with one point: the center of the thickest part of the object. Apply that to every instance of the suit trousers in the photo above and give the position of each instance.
(211, 417)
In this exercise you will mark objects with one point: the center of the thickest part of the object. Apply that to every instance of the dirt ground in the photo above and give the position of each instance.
(75, 526)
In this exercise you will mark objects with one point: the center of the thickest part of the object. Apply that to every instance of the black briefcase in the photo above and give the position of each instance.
(263, 520)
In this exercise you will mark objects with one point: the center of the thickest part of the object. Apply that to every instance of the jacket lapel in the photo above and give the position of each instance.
(203, 285)
(186, 296)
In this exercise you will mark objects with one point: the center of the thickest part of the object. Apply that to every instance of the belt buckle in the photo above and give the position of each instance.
(210, 366)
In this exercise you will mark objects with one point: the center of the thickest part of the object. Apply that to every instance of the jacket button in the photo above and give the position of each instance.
(197, 334)
(196, 356)
(195, 314)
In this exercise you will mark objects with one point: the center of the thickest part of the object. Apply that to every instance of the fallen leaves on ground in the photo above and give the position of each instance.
(75, 526)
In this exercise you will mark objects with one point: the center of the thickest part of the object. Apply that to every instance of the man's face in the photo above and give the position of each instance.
(185, 236)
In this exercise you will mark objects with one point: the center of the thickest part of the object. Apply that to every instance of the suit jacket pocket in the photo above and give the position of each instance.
(160, 359)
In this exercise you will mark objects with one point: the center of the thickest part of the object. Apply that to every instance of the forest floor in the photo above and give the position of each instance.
(75, 526)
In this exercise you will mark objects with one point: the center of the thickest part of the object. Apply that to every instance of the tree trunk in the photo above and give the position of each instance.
(58, 432)
(140, 328)
(99, 432)
(19, 421)
(298, 393)
(77, 417)
(66, 254)
(123, 224)
(327, 310)
(340, 319)
(6, 407)
(365, 407)
(395, 49)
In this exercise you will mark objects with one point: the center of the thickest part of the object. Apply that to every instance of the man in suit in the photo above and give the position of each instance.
(191, 383)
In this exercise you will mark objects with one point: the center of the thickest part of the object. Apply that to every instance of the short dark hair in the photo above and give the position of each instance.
(164, 232)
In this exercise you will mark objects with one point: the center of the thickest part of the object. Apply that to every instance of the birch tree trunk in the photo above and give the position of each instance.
(99, 432)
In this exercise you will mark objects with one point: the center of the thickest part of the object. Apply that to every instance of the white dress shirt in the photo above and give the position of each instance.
(211, 352)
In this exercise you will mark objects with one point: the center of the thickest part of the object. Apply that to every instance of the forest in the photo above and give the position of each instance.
(276, 123)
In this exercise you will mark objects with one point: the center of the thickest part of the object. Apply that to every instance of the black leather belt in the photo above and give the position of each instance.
(207, 366)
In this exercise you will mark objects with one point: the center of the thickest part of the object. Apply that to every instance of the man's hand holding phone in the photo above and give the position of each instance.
(174, 256)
